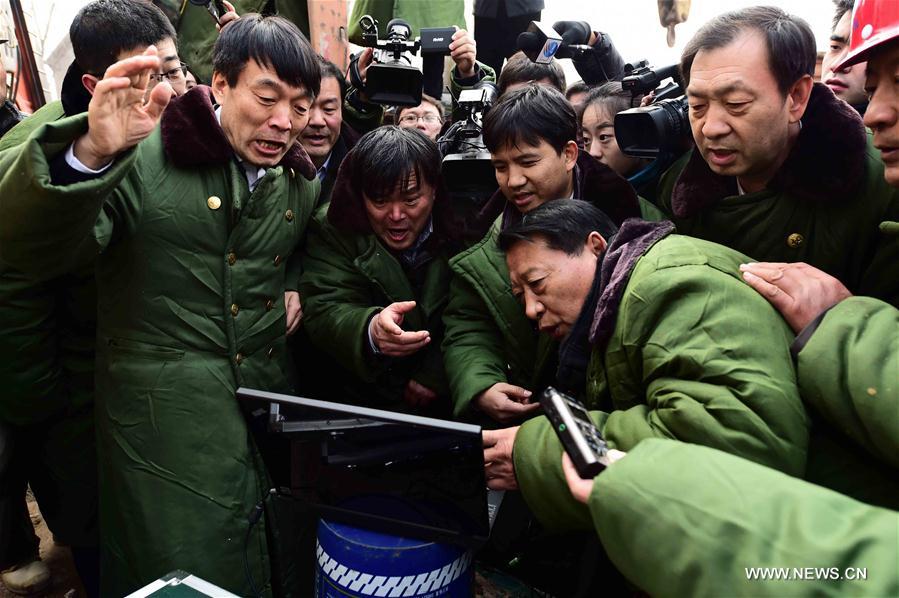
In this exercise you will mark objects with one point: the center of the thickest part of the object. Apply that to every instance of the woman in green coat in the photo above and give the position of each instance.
(376, 275)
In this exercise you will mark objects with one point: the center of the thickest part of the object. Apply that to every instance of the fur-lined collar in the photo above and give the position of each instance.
(192, 135)
(346, 212)
(595, 182)
(826, 164)
(633, 240)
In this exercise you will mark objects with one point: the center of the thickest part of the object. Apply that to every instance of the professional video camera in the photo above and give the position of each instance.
(391, 78)
(660, 129)
(467, 170)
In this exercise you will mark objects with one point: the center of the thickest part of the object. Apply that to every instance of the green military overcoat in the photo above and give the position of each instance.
(688, 352)
(823, 207)
(191, 273)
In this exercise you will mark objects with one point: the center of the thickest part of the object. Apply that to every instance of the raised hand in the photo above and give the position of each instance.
(463, 52)
(121, 114)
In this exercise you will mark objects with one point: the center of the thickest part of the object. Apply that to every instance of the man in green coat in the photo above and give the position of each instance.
(196, 223)
(847, 360)
(670, 341)
(494, 357)
(375, 275)
(47, 349)
(782, 170)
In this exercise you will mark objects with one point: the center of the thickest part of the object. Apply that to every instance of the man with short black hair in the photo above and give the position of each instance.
(493, 355)
(846, 82)
(47, 354)
(520, 71)
(782, 171)
(375, 274)
(668, 340)
(194, 225)
(327, 138)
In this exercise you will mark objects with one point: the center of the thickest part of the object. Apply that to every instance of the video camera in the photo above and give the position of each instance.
(391, 78)
(467, 168)
(662, 127)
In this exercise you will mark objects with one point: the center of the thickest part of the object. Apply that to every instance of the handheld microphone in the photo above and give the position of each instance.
(540, 43)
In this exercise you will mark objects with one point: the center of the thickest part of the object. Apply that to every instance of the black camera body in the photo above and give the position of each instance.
(391, 78)
(661, 128)
(467, 169)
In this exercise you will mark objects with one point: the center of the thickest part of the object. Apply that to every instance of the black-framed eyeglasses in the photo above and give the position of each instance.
(174, 75)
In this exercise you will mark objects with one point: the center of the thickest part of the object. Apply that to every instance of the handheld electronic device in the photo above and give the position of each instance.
(579, 436)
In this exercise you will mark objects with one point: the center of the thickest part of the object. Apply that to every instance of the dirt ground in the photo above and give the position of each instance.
(64, 582)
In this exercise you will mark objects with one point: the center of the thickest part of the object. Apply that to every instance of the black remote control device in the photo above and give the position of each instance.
(579, 436)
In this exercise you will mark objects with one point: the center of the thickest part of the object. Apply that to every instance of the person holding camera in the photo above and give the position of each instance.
(375, 274)
(194, 224)
(494, 358)
(782, 170)
(467, 72)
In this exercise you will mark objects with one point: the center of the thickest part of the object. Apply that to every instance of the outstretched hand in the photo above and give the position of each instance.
(121, 113)
(390, 338)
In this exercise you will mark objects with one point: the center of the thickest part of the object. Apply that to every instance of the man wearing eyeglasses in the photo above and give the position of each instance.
(47, 349)
(427, 117)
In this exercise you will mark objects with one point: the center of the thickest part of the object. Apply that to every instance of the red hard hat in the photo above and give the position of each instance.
(874, 23)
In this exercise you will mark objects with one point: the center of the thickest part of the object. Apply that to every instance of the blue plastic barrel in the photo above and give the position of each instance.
(357, 562)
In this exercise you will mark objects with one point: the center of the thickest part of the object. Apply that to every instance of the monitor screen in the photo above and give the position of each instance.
(390, 472)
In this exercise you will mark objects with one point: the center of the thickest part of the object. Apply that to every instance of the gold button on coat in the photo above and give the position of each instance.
(277, 260)
(214, 202)
(269, 305)
(293, 174)
(288, 215)
(238, 358)
(271, 352)
(795, 240)
(232, 258)
(234, 309)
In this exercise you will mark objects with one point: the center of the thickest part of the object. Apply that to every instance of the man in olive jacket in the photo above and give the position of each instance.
(671, 342)
(493, 355)
(196, 228)
(782, 171)
(375, 274)
(47, 349)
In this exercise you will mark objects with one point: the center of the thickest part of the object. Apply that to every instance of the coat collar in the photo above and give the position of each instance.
(633, 240)
(826, 164)
(192, 136)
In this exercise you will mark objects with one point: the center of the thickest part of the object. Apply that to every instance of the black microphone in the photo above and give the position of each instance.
(540, 43)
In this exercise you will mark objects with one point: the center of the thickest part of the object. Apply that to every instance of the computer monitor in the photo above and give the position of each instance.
(391, 472)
